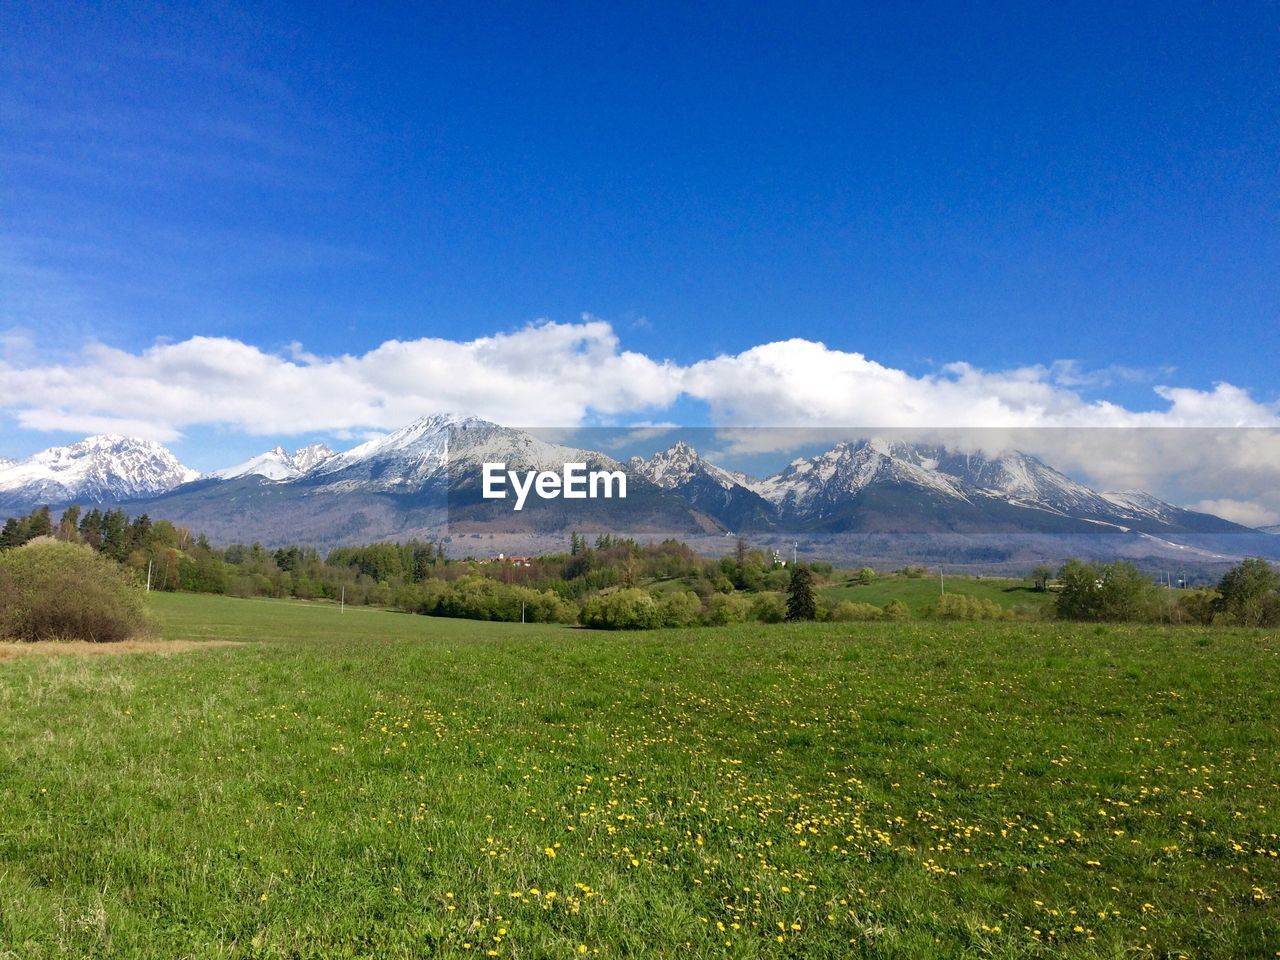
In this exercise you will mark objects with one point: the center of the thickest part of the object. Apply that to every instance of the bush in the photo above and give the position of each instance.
(769, 607)
(65, 591)
(627, 609)
(724, 608)
(680, 608)
(896, 610)
(956, 606)
(847, 610)
(1116, 592)
(1247, 595)
(1197, 606)
(480, 598)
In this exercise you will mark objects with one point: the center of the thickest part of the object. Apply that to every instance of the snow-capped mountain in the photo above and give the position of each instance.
(97, 469)
(279, 464)
(677, 466)
(719, 493)
(426, 477)
(1021, 480)
(885, 486)
(1274, 529)
(813, 487)
(445, 448)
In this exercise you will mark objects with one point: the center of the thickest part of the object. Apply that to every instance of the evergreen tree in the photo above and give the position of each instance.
(40, 525)
(91, 528)
(801, 602)
(69, 525)
(115, 534)
(12, 534)
(139, 532)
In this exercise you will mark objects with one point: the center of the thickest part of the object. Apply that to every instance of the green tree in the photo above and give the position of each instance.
(1117, 592)
(628, 609)
(12, 535)
(40, 524)
(801, 602)
(69, 525)
(1041, 576)
(1247, 593)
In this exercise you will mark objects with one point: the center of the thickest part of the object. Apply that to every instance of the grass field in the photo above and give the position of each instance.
(920, 594)
(373, 784)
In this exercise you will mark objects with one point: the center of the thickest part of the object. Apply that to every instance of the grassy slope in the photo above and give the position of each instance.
(375, 784)
(921, 593)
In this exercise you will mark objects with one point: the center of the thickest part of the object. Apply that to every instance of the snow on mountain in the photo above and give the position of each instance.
(1023, 480)
(278, 464)
(435, 448)
(1140, 504)
(848, 468)
(98, 469)
(1274, 529)
(681, 464)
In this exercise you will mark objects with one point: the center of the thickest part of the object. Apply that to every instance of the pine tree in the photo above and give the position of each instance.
(41, 525)
(801, 603)
(68, 526)
(11, 535)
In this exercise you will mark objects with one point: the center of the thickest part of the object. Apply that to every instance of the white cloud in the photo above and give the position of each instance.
(1249, 513)
(568, 374)
(542, 375)
(801, 383)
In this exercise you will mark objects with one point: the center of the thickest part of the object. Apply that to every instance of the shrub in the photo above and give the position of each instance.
(627, 609)
(725, 608)
(1197, 606)
(480, 598)
(1116, 592)
(1248, 595)
(769, 607)
(65, 591)
(896, 610)
(956, 606)
(680, 608)
(847, 610)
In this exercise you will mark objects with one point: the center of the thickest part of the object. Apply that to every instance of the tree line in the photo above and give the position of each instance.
(611, 581)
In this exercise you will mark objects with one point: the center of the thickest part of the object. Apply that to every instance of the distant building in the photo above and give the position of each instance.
(514, 561)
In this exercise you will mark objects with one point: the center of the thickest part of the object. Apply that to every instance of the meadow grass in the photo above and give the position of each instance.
(373, 784)
(921, 594)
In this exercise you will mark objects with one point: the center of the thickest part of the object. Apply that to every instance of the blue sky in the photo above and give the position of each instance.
(1090, 190)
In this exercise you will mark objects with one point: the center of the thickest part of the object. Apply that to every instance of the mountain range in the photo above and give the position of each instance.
(424, 480)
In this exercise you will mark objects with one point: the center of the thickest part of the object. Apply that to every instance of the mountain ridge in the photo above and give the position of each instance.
(101, 468)
(426, 476)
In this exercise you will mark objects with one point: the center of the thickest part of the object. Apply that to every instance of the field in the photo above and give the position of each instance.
(920, 594)
(372, 784)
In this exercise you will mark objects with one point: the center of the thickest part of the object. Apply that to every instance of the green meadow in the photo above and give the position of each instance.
(921, 594)
(374, 784)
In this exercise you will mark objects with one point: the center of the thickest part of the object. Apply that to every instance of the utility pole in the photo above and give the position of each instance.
(342, 601)
(795, 553)
(942, 580)
(148, 576)
(522, 611)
